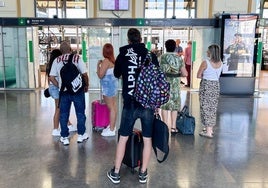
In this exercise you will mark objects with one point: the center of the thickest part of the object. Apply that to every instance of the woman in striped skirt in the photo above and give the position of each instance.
(209, 72)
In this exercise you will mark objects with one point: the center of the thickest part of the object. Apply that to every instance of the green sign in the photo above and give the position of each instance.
(193, 51)
(84, 51)
(21, 21)
(140, 22)
(31, 53)
(149, 45)
(259, 53)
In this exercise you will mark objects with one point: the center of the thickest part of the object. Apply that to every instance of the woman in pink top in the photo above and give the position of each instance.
(188, 61)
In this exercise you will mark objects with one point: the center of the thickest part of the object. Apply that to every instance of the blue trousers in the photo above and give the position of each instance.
(78, 100)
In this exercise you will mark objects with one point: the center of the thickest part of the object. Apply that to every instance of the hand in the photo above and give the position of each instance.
(86, 89)
(99, 63)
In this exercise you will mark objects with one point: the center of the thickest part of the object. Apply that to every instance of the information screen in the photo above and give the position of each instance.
(114, 5)
(238, 44)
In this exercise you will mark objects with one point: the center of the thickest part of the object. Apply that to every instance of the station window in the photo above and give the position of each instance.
(170, 8)
(61, 8)
(262, 8)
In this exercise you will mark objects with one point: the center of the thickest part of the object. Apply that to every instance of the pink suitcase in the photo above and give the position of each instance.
(100, 115)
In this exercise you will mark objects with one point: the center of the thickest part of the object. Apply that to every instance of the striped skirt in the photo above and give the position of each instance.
(209, 92)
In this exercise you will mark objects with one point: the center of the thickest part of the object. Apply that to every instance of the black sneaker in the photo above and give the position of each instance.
(114, 177)
(143, 176)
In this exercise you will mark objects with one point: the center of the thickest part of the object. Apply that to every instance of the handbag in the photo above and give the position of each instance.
(160, 138)
(46, 93)
(185, 122)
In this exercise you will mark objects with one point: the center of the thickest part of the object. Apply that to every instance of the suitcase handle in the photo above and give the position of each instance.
(101, 97)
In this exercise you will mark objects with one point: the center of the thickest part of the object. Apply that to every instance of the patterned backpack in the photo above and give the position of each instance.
(152, 89)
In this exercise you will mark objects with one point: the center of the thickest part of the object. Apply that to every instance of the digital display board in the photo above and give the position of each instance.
(114, 5)
(238, 42)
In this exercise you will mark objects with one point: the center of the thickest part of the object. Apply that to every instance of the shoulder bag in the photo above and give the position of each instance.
(185, 122)
(160, 139)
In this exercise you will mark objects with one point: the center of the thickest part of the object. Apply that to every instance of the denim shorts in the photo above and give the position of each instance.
(54, 91)
(109, 85)
(129, 116)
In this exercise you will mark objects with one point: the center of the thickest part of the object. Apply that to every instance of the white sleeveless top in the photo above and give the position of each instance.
(211, 73)
(110, 71)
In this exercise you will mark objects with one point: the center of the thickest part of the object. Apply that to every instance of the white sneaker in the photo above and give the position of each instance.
(72, 128)
(108, 133)
(65, 140)
(56, 132)
(81, 138)
(106, 129)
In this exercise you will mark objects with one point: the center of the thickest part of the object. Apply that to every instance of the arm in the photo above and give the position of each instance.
(53, 74)
(201, 69)
(102, 68)
(86, 79)
(53, 80)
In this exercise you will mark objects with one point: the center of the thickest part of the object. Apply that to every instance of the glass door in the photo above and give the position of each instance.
(17, 60)
(15, 57)
(2, 64)
(94, 38)
(85, 41)
(202, 39)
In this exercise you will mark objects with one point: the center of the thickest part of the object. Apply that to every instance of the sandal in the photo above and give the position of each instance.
(204, 134)
(174, 130)
(205, 130)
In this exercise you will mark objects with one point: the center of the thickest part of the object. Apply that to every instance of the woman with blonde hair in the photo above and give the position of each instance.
(209, 90)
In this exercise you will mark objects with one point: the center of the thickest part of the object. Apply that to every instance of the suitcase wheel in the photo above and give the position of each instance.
(98, 129)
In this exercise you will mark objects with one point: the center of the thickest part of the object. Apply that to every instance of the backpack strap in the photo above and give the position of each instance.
(148, 58)
(70, 59)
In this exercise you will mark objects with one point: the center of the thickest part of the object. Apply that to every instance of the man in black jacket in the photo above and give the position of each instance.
(130, 57)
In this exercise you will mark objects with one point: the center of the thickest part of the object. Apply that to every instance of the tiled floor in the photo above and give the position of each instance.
(31, 158)
(263, 84)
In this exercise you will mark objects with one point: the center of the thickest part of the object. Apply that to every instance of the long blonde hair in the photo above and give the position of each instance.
(214, 51)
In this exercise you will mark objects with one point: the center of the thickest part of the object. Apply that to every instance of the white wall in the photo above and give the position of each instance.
(202, 8)
(228, 6)
(10, 8)
(27, 8)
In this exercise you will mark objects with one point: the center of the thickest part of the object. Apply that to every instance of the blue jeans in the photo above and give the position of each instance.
(130, 114)
(65, 105)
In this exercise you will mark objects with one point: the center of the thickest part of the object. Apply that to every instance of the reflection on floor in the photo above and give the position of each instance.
(263, 80)
(30, 157)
